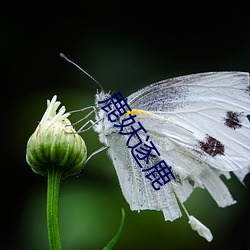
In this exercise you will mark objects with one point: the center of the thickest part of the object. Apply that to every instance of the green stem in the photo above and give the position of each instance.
(54, 177)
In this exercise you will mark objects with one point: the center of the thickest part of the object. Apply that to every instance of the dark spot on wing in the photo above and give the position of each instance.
(232, 119)
(177, 178)
(191, 181)
(248, 117)
(212, 146)
(248, 89)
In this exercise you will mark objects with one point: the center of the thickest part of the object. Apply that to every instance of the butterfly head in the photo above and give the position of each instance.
(104, 127)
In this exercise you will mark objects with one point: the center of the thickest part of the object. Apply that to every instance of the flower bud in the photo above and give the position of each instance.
(55, 144)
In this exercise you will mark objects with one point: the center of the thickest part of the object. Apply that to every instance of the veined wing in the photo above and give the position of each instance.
(211, 108)
(136, 189)
(176, 146)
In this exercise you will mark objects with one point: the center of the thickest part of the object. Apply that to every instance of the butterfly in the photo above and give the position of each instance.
(198, 123)
(199, 127)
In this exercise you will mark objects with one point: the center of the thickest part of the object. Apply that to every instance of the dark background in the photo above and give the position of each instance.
(125, 45)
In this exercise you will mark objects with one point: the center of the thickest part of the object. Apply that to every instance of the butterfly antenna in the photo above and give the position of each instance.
(86, 73)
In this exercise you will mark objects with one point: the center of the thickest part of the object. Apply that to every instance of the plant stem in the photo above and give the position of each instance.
(54, 177)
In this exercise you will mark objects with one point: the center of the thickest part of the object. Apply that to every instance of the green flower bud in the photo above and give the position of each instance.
(55, 144)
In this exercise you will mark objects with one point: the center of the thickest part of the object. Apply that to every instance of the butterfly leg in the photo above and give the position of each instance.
(96, 152)
(92, 154)
(86, 116)
(81, 129)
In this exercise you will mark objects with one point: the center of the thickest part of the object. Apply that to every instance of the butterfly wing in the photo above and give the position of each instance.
(199, 126)
(176, 146)
(212, 106)
(135, 187)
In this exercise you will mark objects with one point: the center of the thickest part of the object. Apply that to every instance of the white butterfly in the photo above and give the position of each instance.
(199, 125)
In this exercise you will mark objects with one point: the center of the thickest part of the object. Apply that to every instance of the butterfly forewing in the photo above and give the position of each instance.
(211, 107)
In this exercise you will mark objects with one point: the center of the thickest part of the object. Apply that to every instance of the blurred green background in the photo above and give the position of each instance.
(125, 45)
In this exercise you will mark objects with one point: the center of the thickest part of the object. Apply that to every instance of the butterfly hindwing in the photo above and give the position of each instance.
(176, 147)
(136, 188)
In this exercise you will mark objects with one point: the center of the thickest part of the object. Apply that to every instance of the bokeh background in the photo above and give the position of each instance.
(125, 45)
